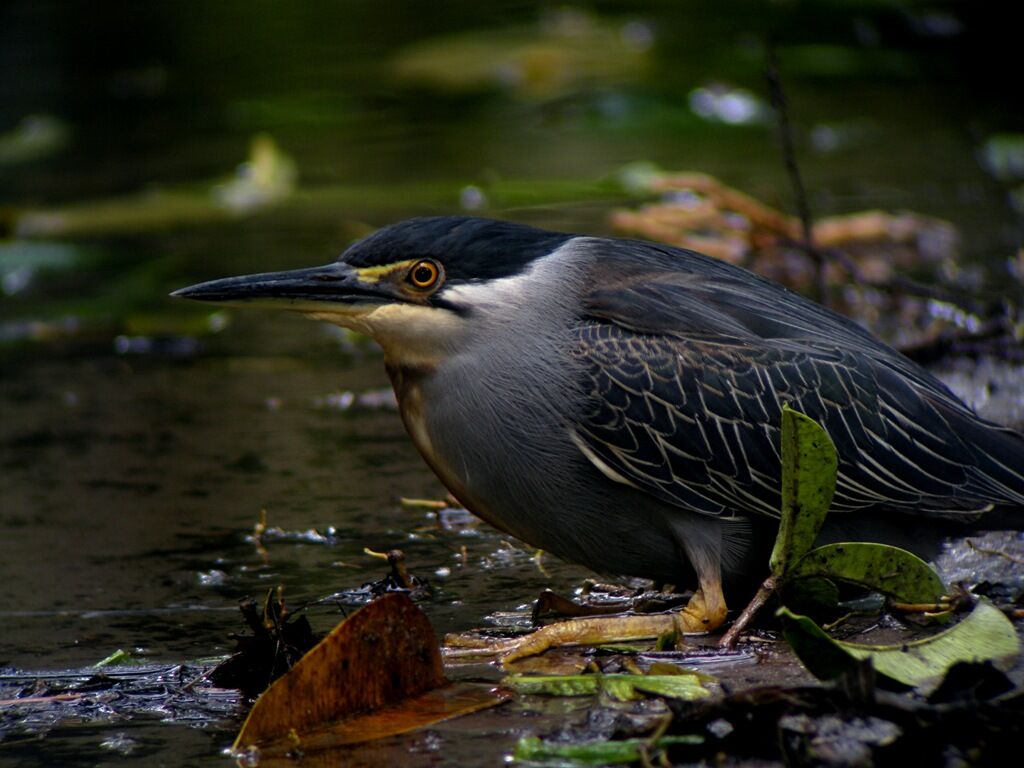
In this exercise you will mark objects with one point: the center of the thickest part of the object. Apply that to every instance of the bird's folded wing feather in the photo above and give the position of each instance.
(685, 375)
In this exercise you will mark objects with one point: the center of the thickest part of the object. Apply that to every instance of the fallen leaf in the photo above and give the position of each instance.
(531, 748)
(329, 745)
(376, 674)
(687, 686)
(986, 634)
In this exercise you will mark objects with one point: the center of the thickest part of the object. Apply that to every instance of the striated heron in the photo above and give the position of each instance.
(617, 403)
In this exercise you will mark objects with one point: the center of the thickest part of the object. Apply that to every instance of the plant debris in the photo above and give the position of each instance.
(398, 579)
(33, 703)
(979, 722)
(278, 640)
(985, 635)
(683, 684)
(603, 599)
(611, 752)
(376, 674)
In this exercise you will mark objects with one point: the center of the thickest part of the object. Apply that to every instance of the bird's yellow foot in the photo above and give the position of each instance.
(698, 617)
(704, 613)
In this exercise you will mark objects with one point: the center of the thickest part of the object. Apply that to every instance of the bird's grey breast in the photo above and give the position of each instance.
(495, 419)
(495, 428)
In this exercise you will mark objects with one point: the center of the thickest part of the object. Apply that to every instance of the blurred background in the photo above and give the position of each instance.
(147, 146)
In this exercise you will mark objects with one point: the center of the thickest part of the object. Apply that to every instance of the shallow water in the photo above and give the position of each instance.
(136, 453)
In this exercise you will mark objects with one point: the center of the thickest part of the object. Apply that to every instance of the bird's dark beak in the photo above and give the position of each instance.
(302, 290)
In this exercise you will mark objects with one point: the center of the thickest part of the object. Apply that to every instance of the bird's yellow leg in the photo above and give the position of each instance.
(704, 613)
(595, 630)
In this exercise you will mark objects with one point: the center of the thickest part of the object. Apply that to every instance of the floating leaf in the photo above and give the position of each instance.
(376, 674)
(531, 748)
(882, 567)
(809, 466)
(118, 658)
(553, 685)
(321, 746)
(568, 49)
(624, 647)
(268, 177)
(986, 634)
(687, 686)
(618, 688)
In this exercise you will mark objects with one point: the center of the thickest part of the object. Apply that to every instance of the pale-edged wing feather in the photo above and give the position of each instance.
(686, 364)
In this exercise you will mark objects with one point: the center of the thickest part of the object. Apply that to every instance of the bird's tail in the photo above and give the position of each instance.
(998, 474)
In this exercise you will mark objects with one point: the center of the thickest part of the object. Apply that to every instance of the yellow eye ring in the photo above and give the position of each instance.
(424, 274)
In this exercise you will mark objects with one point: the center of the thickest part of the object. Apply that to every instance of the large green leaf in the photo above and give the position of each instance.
(894, 571)
(985, 635)
(809, 466)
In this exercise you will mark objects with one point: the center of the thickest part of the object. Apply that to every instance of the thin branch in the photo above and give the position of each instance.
(779, 104)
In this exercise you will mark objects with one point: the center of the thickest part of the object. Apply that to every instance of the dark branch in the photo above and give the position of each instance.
(778, 102)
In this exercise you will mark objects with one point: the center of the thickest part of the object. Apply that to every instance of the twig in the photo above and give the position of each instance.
(764, 593)
(434, 504)
(42, 699)
(996, 552)
(778, 101)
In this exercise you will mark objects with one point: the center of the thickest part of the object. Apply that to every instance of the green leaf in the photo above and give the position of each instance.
(118, 658)
(888, 569)
(617, 688)
(667, 641)
(531, 748)
(553, 685)
(623, 647)
(822, 656)
(687, 686)
(985, 635)
(812, 596)
(809, 466)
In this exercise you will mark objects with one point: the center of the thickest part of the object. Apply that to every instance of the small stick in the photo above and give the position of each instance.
(764, 593)
(778, 100)
(434, 504)
(995, 552)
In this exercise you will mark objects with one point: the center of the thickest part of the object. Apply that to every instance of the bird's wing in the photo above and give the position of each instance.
(653, 289)
(685, 376)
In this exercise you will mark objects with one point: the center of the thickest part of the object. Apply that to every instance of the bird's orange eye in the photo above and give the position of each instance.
(424, 274)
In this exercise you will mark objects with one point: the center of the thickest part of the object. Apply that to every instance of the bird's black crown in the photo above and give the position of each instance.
(469, 248)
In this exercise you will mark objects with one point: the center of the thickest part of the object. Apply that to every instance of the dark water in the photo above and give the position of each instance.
(136, 453)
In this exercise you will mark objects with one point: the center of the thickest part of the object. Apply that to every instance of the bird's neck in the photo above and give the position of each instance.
(408, 381)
